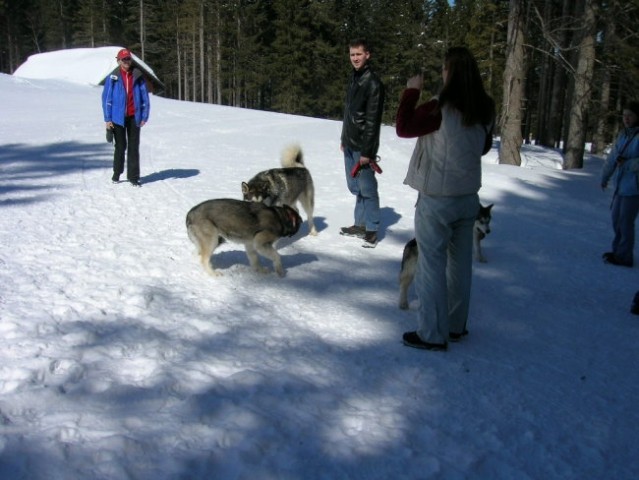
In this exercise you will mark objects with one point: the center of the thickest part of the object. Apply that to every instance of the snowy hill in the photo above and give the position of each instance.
(121, 359)
(85, 66)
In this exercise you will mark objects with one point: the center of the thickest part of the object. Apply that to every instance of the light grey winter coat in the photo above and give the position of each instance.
(447, 162)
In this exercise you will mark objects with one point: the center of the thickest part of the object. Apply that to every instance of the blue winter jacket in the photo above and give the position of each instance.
(624, 172)
(114, 98)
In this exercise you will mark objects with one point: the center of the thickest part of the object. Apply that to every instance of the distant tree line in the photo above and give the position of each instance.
(559, 70)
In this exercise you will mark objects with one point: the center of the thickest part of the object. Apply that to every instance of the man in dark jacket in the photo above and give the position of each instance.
(360, 142)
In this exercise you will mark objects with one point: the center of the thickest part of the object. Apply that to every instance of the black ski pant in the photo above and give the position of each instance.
(127, 139)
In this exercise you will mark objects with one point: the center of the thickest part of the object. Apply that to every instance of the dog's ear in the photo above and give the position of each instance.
(489, 207)
(245, 188)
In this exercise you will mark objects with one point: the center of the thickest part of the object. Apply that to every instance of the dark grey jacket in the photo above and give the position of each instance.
(363, 112)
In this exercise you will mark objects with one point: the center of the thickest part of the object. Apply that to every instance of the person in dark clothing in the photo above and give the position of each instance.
(126, 107)
(360, 142)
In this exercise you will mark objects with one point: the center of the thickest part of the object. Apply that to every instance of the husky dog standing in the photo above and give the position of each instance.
(255, 225)
(284, 186)
(409, 258)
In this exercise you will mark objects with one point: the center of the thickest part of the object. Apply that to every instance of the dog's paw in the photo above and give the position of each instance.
(403, 305)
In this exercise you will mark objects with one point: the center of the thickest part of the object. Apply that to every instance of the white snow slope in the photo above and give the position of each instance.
(121, 359)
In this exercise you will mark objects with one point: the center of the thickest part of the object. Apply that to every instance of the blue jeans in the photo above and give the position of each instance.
(364, 187)
(624, 212)
(444, 233)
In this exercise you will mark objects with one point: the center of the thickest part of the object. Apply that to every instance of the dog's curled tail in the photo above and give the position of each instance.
(292, 156)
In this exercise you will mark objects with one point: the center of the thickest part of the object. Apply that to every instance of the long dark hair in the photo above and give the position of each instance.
(464, 88)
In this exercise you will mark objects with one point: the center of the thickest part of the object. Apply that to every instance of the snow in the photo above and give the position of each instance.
(121, 359)
(78, 65)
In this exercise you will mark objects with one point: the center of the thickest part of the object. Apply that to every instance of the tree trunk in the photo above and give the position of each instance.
(510, 122)
(142, 32)
(544, 84)
(201, 33)
(599, 138)
(218, 58)
(194, 44)
(558, 94)
(179, 57)
(209, 72)
(575, 143)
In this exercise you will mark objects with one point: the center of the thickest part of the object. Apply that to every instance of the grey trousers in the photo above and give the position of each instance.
(624, 213)
(444, 233)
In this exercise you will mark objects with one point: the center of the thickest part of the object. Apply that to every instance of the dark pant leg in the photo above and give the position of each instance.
(626, 211)
(119, 136)
(133, 151)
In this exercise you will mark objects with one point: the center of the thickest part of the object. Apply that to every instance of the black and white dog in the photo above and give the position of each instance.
(284, 186)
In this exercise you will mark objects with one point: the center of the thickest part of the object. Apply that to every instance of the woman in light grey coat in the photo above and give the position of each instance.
(454, 130)
(622, 166)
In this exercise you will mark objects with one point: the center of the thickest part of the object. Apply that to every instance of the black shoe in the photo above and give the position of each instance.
(135, 183)
(613, 260)
(370, 240)
(353, 231)
(411, 339)
(456, 337)
(634, 309)
(115, 178)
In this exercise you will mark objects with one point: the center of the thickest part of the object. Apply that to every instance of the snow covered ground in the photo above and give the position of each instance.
(121, 359)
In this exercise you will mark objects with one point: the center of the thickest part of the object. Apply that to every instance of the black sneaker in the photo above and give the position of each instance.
(613, 260)
(115, 178)
(353, 231)
(634, 309)
(370, 240)
(456, 337)
(411, 339)
(135, 183)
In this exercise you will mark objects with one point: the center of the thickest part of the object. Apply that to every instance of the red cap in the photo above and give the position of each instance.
(124, 53)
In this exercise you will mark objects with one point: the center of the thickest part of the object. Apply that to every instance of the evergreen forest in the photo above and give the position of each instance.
(560, 71)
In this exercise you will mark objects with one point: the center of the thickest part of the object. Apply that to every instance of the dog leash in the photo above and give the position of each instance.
(374, 164)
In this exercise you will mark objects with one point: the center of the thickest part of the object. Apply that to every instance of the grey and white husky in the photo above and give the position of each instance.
(284, 186)
(409, 258)
(255, 225)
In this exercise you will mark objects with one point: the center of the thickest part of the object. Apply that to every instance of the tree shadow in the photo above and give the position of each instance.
(28, 169)
(171, 173)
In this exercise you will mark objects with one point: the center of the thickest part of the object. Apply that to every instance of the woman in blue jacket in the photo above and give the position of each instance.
(623, 165)
(125, 103)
